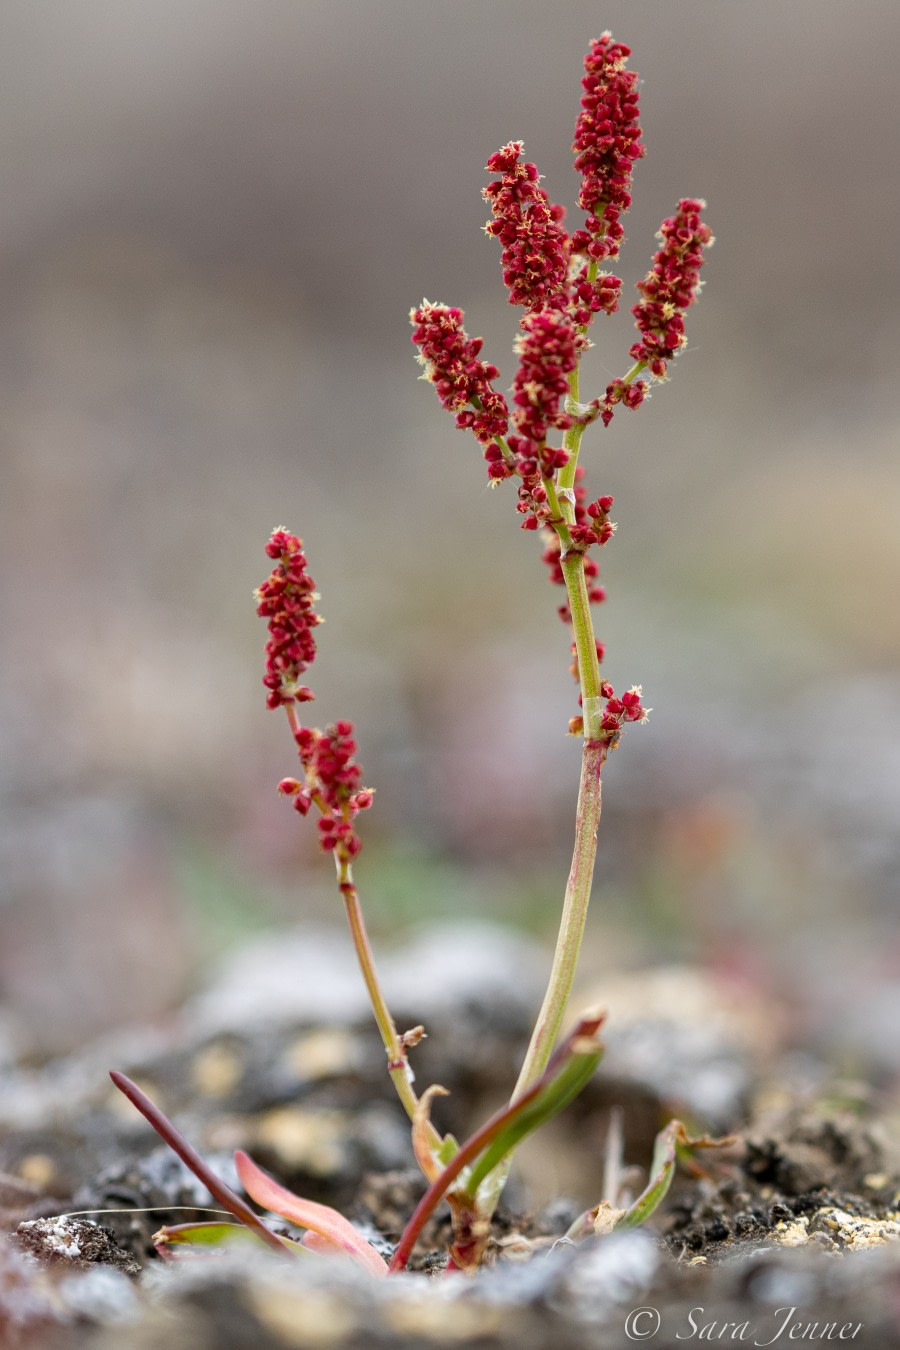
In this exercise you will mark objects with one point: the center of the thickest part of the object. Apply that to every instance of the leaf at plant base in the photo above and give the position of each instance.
(672, 1143)
(567, 1074)
(432, 1161)
(206, 1235)
(571, 1065)
(336, 1234)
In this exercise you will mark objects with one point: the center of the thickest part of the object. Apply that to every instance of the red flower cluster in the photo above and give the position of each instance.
(332, 783)
(548, 347)
(286, 600)
(671, 286)
(620, 391)
(554, 277)
(600, 530)
(535, 246)
(618, 711)
(607, 143)
(463, 382)
(588, 298)
(331, 776)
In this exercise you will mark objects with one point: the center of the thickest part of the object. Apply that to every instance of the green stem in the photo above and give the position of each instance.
(398, 1065)
(574, 915)
(572, 565)
(572, 442)
(595, 748)
(638, 368)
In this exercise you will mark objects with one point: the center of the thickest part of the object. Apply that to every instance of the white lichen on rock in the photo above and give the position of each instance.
(58, 1237)
(849, 1232)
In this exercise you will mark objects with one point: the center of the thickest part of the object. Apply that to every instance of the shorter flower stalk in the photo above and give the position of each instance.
(395, 1044)
(331, 781)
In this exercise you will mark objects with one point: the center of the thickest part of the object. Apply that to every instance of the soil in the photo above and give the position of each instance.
(800, 1214)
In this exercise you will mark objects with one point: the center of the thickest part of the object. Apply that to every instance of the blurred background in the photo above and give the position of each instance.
(214, 219)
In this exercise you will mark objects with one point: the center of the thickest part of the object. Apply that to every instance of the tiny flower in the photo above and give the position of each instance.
(618, 711)
(286, 601)
(333, 783)
(535, 246)
(671, 286)
(630, 394)
(607, 143)
(588, 297)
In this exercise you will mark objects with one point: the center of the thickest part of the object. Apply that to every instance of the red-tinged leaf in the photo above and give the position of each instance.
(431, 1161)
(334, 1231)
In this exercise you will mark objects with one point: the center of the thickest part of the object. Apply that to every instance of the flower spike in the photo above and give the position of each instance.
(331, 776)
(607, 143)
(535, 245)
(671, 286)
(548, 348)
(286, 600)
(462, 381)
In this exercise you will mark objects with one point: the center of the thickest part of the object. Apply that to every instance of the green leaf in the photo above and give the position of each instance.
(555, 1094)
(672, 1143)
(207, 1235)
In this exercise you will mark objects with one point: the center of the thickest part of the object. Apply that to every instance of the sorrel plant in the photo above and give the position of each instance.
(560, 283)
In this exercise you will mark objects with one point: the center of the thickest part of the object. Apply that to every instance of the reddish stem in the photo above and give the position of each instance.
(191, 1158)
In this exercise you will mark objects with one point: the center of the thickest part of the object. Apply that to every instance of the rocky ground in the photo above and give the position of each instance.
(792, 1234)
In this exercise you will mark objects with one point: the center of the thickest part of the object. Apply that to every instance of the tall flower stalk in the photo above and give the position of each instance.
(557, 279)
